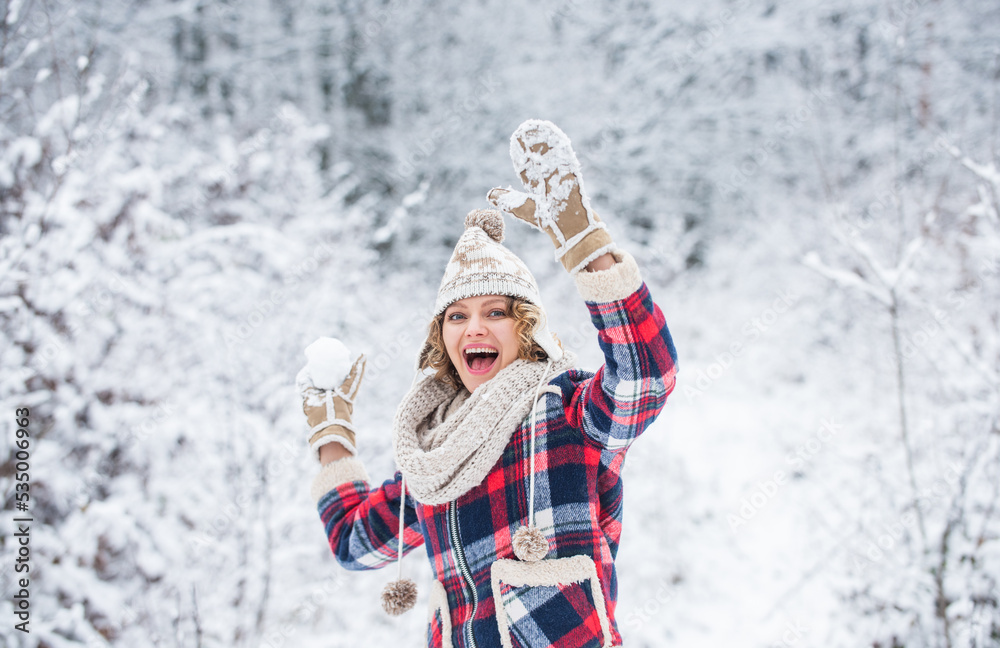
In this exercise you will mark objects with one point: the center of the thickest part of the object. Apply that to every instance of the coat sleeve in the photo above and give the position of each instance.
(362, 523)
(640, 362)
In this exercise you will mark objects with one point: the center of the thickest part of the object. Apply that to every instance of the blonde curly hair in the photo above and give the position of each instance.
(526, 319)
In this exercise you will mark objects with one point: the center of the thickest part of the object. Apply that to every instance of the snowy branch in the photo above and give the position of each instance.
(847, 279)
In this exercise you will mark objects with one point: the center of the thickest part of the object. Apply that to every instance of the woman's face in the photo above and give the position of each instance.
(479, 336)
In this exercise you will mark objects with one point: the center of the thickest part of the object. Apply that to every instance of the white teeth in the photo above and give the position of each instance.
(480, 350)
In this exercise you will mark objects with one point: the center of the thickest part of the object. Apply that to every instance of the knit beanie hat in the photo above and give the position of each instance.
(480, 265)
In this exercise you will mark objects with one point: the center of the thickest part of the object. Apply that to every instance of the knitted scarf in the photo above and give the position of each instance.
(443, 452)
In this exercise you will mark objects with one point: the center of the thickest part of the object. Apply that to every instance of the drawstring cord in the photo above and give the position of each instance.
(530, 544)
(400, 595)
(531, 452)
(402, 509)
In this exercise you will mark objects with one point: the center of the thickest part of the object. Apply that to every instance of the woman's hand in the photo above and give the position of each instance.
(328, 412)
(603, 262)
(332, 452)
(555, 201)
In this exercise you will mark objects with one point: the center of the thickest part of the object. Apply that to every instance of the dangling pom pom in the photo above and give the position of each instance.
(489, 220)
(399, 596)
(530, 544)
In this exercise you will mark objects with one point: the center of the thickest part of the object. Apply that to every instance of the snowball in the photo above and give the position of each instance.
(329, 362)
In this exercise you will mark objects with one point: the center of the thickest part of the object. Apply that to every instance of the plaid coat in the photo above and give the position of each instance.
(483, 597)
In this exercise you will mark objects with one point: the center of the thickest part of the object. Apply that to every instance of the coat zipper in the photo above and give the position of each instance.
(463, 567)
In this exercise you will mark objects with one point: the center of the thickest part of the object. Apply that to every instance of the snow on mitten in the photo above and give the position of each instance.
(328, 384)
(555, 201)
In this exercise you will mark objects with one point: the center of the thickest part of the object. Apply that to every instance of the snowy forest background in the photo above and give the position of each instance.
(192, 191)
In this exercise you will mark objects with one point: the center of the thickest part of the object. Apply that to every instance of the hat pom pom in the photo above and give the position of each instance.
(489, 220)
(399, 596)
(530, 544)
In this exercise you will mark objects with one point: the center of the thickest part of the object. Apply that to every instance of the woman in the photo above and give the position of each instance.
(509, 457)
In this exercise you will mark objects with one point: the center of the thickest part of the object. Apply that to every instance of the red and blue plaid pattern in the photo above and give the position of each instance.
(564, 615)
(582, 435)
(435, 629)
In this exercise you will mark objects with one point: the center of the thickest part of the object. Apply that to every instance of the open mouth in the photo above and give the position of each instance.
(480, 360)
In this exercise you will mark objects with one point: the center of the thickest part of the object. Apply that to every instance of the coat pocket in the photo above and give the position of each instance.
(555, 602)
(438, 618)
